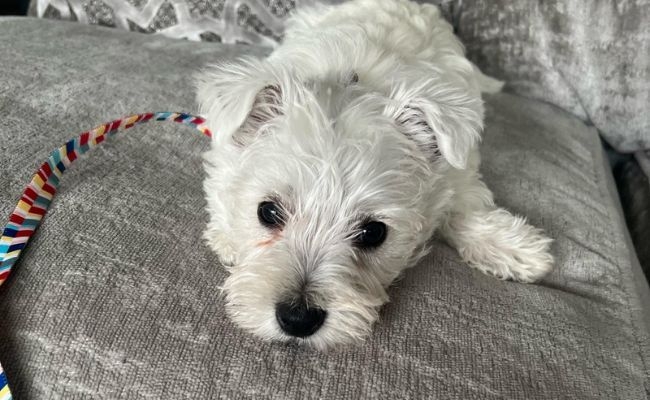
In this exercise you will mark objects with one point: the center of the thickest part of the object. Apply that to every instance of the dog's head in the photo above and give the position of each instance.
(325, 189)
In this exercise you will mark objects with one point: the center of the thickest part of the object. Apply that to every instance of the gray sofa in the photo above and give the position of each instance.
(117, 296)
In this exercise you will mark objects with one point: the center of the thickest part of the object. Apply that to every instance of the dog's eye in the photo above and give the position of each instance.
(270, 214)
(371, 234)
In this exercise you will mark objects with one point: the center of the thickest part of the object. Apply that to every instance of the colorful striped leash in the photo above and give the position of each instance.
(38, 195)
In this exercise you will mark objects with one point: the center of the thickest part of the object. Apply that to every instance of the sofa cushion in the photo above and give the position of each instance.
(117, 296)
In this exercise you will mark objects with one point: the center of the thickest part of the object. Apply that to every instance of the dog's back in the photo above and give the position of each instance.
(374, 38)
(412, 31)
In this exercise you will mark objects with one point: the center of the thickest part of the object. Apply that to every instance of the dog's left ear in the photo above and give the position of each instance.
(443, 120)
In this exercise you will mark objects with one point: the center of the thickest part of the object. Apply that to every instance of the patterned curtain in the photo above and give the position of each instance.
(229, 21)
(259, 22)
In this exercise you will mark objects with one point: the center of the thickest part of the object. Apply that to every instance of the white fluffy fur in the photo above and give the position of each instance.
(399, 145)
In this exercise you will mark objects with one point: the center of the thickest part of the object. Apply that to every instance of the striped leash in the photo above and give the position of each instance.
(38, 194)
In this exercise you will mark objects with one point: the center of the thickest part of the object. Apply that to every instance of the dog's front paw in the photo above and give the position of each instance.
(221, 245)
(527, 263)
(532, 267)
(503, 245)
(531, 258)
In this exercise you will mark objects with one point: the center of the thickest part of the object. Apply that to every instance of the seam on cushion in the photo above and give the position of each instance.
(607, 199)
(569, 84)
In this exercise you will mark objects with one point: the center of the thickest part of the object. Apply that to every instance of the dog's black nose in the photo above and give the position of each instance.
(297, 319)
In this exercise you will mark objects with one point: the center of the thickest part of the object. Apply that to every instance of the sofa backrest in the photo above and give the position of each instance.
(590, 58)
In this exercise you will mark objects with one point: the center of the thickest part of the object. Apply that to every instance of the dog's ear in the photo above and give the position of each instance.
(412, 123)
(443, 120)
(266, 106)
(239, 99)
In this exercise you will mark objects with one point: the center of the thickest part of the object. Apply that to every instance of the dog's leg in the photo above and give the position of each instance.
(493, 240)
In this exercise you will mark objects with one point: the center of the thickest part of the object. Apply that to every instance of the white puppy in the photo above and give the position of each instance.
(336, 159)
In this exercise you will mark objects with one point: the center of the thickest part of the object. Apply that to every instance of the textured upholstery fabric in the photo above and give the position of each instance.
(643, 157)
(117, 296)
(590, 58)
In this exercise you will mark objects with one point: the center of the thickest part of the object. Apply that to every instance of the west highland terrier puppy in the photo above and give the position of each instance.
(335, 160)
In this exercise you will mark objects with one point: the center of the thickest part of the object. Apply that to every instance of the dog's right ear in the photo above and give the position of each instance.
(443, 116)
(239, 100)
